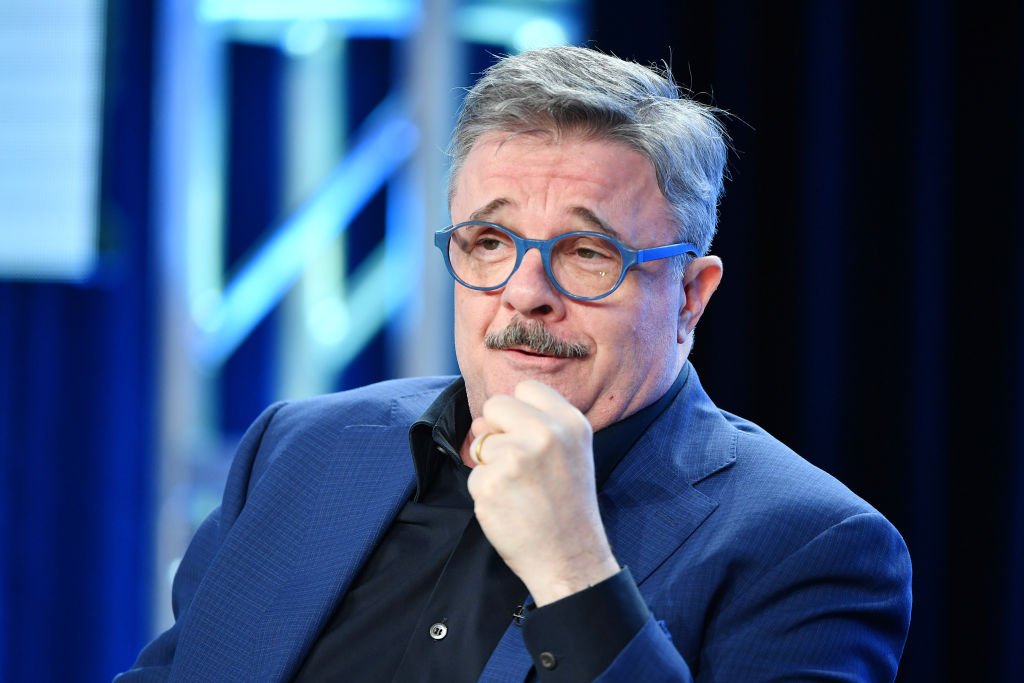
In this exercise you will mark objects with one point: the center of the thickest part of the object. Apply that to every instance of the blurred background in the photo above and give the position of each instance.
(210, 205)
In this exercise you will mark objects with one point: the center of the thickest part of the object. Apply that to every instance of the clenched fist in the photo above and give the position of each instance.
(535, 496)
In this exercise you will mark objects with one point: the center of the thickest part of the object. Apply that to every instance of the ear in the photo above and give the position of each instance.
(699, 282)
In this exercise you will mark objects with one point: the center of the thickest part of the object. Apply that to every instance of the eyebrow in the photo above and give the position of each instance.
(594, 222)
(486, 213)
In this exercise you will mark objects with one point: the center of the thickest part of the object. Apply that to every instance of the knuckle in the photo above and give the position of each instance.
(514, 467)
(549, 439)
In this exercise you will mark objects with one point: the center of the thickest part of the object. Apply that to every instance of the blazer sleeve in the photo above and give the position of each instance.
(836, 609)
(156, 659)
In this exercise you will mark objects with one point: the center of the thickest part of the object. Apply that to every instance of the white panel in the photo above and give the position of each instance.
(51, 77)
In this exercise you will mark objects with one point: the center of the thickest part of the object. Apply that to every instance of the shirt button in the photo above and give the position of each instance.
(438, 631)
(548, 660)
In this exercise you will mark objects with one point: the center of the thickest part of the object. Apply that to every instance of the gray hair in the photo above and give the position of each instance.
(574, 90)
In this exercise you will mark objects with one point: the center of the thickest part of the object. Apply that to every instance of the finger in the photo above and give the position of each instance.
(476, 448)
(481, 426)
(509, 414)
(544, 398)
(487, 448)
(481, 430)
(549, 402)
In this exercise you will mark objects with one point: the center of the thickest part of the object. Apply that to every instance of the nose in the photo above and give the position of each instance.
(530, 293)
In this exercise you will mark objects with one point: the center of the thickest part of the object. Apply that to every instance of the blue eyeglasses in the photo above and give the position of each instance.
(582, 265)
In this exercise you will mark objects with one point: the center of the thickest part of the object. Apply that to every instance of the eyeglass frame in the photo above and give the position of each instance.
(630, 257)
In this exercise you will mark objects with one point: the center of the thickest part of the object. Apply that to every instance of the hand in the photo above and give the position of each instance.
(535, 496)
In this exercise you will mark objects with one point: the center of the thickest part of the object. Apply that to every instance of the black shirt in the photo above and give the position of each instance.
(434, 598)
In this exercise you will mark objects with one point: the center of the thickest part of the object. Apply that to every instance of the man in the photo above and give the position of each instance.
(574, 507)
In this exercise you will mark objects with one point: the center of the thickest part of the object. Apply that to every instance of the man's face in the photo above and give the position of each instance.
(539, 189)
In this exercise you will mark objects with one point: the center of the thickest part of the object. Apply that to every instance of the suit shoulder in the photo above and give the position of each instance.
(771, 504)
(392, 402)
(769, 480)
(289, 426)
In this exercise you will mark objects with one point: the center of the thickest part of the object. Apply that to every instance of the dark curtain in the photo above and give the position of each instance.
(873, 237)
(76, 423)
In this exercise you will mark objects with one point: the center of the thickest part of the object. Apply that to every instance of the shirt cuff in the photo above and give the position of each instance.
(578, 637)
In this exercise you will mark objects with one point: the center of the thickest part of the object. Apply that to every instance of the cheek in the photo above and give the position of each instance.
(651, 336)
(463, 330)
(472, 316)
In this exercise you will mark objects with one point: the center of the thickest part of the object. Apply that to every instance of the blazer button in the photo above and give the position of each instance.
(438, 630)
(548, 660)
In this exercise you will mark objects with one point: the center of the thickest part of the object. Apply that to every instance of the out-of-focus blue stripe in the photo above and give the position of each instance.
(385, 142)
(387, 18)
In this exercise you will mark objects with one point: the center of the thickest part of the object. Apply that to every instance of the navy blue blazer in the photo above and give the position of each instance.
(756, 565)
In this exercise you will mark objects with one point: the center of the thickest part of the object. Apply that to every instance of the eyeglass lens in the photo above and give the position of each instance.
(582, 265)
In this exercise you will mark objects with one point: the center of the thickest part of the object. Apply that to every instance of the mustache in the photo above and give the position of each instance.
(535, 337)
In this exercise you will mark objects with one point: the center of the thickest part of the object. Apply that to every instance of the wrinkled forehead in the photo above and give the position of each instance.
(549, 134)
(587, 181)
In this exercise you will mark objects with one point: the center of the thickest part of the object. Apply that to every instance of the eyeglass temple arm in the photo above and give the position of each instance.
(667, 251)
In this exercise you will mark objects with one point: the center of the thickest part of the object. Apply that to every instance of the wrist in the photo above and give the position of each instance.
(548, 588)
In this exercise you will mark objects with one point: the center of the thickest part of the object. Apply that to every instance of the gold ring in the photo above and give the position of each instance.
(480, 448)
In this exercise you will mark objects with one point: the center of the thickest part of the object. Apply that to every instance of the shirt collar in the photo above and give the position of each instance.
(439, 432)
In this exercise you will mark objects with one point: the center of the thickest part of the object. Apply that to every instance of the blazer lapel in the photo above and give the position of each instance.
(649, 504)
(358, 498)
